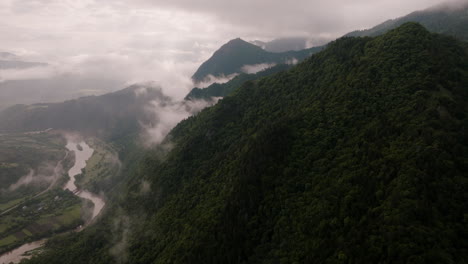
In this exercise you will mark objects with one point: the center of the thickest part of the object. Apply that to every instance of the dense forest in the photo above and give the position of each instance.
(356, 155)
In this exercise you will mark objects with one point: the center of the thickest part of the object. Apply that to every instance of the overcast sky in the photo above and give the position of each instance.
(166, 40)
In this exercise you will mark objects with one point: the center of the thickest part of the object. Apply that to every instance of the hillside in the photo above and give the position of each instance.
(232, 56)
(357, 155)
(109, 115)
(447, 19)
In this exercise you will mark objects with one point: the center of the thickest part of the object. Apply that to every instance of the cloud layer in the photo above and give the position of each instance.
(139, 37)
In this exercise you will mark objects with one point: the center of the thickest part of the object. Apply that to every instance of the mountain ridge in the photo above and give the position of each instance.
(448, 19)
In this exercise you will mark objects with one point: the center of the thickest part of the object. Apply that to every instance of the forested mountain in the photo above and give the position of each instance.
(357, 155)
(449, 19)
(443, 19)
(109, 115)
(235, 54)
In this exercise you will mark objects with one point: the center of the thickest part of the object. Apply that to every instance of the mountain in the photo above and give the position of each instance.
(448, 19)
(54, 89)
(356, 155)
(237, 53)
(109, 115)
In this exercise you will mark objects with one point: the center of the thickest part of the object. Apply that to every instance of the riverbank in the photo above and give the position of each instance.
(82, 153)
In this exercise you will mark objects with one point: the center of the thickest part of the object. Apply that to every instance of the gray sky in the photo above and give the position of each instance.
(166, 40)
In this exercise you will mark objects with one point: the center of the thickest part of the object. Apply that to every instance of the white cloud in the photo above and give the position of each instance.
(165, 114)
(28, 73)
(250, 69)
(210, 79)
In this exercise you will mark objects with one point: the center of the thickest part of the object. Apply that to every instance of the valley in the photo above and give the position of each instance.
(54, 210)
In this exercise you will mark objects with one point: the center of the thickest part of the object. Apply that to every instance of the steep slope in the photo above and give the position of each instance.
(109, 115)
(235, 54)
(447, 19)
(357, 155)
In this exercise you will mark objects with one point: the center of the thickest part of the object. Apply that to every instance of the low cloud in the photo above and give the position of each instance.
(165, 113)
(145, 187)
(211, 79)
(33, 73)
(251, 69)
(47, 176)
(292, 61)
(121, 232)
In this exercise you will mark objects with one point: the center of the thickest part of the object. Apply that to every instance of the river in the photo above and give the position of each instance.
(82, 154)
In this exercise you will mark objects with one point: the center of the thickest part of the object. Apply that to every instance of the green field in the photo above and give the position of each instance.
(53, 212)
(29, 154)
(9, 204)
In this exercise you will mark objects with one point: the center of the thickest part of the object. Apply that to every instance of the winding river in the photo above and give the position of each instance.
(81, 156)
(82, 153)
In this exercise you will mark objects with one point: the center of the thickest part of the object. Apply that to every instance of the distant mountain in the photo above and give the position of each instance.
(108, 115)
(447, 19)
(237, 53)
(54, 89)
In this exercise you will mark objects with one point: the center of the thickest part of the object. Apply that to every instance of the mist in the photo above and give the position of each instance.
(251, 69)
(44, 177)
(210, 79)
(165, 113)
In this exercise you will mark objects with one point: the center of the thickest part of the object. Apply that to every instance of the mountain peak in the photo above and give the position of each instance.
(237, 53)
(229, 59)
(238, 44)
